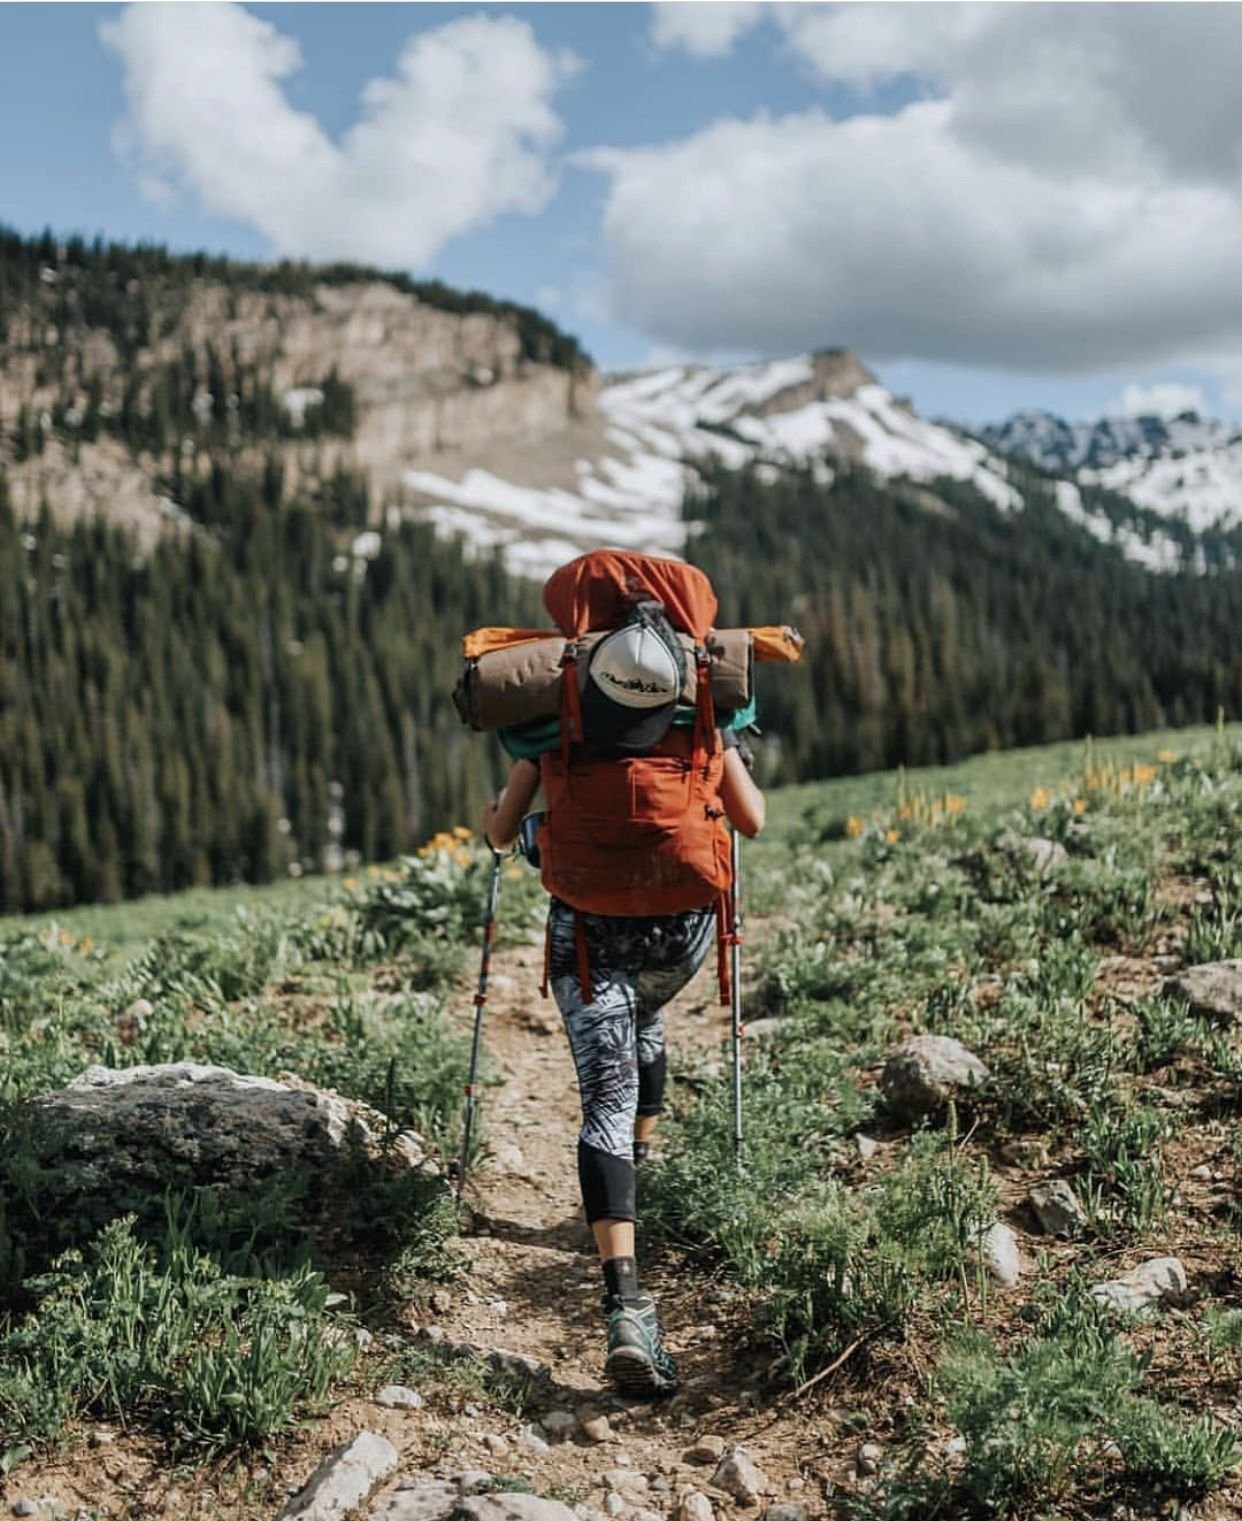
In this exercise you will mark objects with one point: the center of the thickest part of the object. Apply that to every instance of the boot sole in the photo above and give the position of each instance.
(635, 1375)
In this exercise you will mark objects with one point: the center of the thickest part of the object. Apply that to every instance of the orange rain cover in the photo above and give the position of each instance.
(598, 589)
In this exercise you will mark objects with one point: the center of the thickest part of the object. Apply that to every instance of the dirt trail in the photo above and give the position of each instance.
(533, 1285)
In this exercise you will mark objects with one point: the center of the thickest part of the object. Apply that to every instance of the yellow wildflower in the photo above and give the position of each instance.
(891, 836)
(373, 871)
(953, 804)
(86, 944)
(1166, 756)
(906, 811)
(1080, 805)
(351, 884)
(65, 937)
(1144, 774)
(1040, 798)
(460, 832)
(854, 826)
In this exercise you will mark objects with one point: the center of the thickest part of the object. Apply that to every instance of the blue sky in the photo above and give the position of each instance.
(692, 180)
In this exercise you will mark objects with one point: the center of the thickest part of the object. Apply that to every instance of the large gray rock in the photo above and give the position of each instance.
(1161, 1279)
(1057, 1208)
(343, 1480)
(512, 1507)
(1043, 856)
(999, 1250)
(1213, 989)
(115, 1132)
(926, 1071)
(419, 1499)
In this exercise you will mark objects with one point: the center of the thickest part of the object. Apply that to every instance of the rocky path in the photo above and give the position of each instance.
(532, 1286)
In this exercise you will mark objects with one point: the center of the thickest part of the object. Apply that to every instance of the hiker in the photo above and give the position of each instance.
(632, 774)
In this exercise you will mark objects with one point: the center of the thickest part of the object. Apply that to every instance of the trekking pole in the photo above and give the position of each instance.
(480, 999)
(735, 983)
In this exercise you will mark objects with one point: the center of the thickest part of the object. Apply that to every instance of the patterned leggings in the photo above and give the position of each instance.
(617, 1036)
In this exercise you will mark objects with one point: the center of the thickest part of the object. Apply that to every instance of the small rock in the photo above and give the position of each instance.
(955, 1447)
(102, 1437)
(595, 1424)
(441, 1302)
(1203, 1171)
(470, 1409)
(498, 1307)
(796, 1484)
(1057, 1208)
(1213, 989)
(926, 1071)
(694, 1506)
(508, 1158)
(765, 1029)
(626, 1479)
(399, 1397)
(785, 1510)
(472, 1481)
(1001, 1257)
(531, 1441)
(558, 1424)
(344, 1479)
(139, 1010)
(870, 1456)
(867, 1148)
(613, 1503)
(1161, 1278)
(26, 1507)
(708, 1449)
(433, 1334)
(739, 1477)
(659, 1483)
(496, 1444)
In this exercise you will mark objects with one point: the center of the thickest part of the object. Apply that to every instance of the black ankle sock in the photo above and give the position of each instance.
(621, 1278)
(642, 1150)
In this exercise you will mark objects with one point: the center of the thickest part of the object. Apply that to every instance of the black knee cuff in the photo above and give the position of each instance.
(651, 1085)
(607, 1184)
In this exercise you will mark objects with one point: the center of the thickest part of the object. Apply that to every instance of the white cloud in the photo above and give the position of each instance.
(704, 28)
(1166, 398)
(1064, 193)
(461, 133)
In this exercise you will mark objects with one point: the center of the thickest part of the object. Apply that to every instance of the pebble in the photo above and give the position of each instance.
(708, 1449)
(102, 1437)
(796, 1484)
(26, 1507)
(867, 1148)
(694, 1506)
(470, 1409)
(498, 1307)
(432, 1334)
(399, 1397)
(613, 1503)
(1203, 1171)
(472, 1481)
(870, 1456)
(496, 1444)
(625, 1478)
(532, 1441)
(785, 1510)
(441, 1302)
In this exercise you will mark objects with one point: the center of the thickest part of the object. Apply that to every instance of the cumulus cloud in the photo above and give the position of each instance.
(706, 28)
(459, 134)
(1063, 192)
(1166, 398)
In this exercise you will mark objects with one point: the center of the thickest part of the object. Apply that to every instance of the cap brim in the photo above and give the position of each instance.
(617, 727)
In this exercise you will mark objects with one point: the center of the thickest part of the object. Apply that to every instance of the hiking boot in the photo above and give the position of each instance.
(637, 1363)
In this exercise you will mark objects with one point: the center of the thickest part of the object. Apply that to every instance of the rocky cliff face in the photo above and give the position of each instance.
(428, 386)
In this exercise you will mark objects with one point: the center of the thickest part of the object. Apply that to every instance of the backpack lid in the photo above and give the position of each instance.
(598, 590)
(633, 682)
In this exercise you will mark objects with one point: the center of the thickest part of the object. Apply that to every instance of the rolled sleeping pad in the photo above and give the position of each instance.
(519, 682)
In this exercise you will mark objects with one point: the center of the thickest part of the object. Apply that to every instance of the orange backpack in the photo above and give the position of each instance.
(642, 834)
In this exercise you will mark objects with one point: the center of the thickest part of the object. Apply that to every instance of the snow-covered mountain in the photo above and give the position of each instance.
(1182, 467)
(654, 430)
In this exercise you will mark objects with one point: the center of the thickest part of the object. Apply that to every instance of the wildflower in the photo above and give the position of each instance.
(65, 937)
(351, 884)
(86, 944)
(906, 811)
(854, 826)
(891, 836)
(1040, 798)
(373, 871)
(460, 832)
(1143, 774)
(1080, 805)
(953, 804)
(1166, 756)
